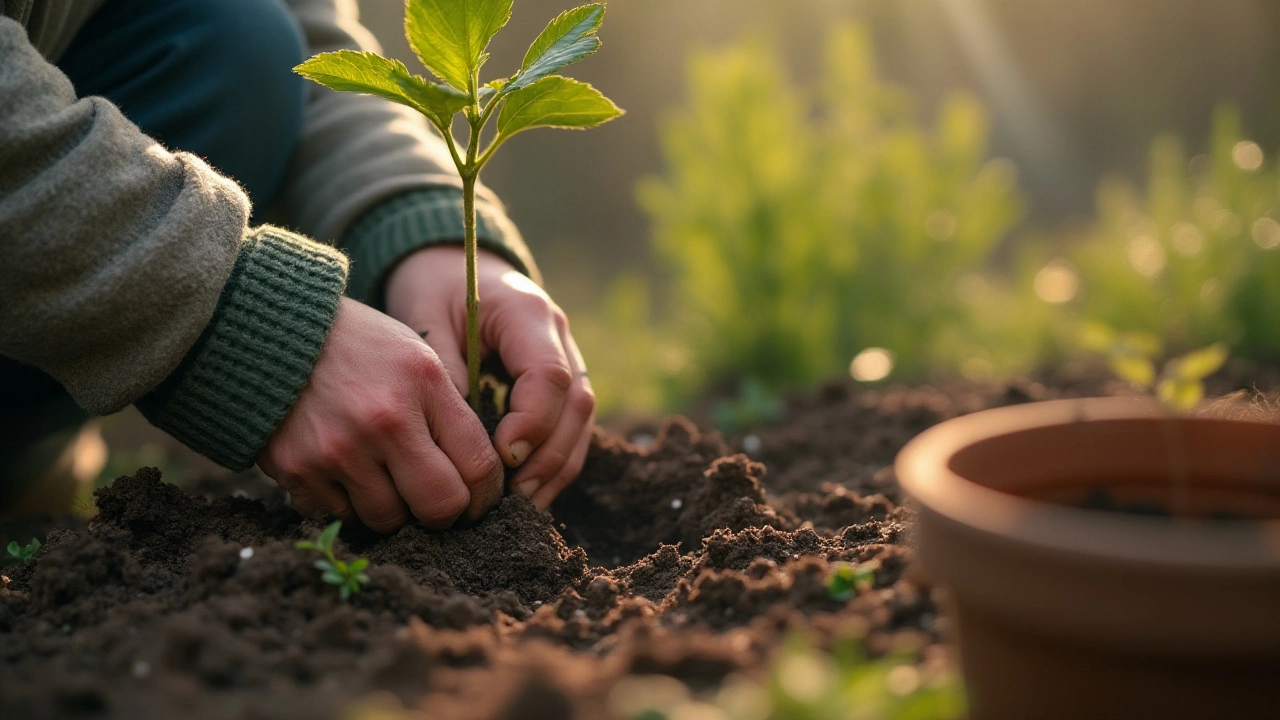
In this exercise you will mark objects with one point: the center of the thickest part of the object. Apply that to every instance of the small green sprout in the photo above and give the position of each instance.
(848, 580)
(1180, 385)
(23, 554)
(347, 576)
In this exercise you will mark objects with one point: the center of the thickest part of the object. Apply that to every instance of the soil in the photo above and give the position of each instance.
(677, 554)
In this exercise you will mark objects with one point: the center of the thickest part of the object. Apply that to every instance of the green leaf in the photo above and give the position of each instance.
(1137, 370)
(1198, 364)
(306, 545)
(358, 564)
(554, 102)
(1179, 394)
(361, 578)
(568, 39)
(332, 577)
(35, 545)
(450, 36)
(323, 565)
(14, 548)
(365, 72)
(327, 537)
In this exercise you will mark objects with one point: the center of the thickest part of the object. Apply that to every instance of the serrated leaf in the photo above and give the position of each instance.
(1198, 364)
(555, 102)
(1137, 370)
(330, 533)
(567, 39)
(365, 72)
(449, 36)
(1180, 395)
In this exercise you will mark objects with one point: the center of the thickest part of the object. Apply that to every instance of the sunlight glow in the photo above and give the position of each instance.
(1146, 256)
(1247, 155)
(1266, 233)
(1187, 239)
(871, 365)
(1056, 283)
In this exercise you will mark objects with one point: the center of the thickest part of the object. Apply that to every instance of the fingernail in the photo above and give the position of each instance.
(528, 487)
(519, 452)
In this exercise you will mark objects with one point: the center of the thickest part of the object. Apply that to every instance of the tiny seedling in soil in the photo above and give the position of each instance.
(848, 580)
(450, 37)
(1179, 387)
(347, 576)
(20, 553)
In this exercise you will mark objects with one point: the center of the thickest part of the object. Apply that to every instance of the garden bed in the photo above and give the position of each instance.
(675, 553)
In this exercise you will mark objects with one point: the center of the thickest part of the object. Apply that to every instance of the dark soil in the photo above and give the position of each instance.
(684, 557)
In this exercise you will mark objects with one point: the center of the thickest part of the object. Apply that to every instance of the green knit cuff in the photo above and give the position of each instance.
(393, 229)
(235, 386)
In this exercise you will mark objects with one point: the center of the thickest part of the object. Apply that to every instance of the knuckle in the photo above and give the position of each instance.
(385, 416)
(583, 401)
(333, 450)
(384, 520)
(560, 319)
(444, 507)
(558, 376)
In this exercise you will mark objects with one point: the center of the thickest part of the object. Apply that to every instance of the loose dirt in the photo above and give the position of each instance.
(680, 555)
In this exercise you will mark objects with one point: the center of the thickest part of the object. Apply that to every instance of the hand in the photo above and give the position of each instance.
(551, 407)
(380, 433)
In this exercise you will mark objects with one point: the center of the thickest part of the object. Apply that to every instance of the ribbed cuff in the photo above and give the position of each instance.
(235, 386)
(389, 231)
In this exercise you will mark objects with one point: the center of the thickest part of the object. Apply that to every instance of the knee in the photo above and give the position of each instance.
(254, 45)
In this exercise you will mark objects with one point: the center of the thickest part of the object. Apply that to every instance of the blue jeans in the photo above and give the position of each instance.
(211, 77)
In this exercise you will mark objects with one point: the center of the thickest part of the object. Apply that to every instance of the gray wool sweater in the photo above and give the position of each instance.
(130, 274)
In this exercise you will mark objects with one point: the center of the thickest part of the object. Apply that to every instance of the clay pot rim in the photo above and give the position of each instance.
(923, 469)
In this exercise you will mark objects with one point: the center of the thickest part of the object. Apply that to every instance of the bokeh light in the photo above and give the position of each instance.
(1247, 155)
(871, 365)
(1266, 233)
(1056, 283)
(1187, 239)
(1146, 256)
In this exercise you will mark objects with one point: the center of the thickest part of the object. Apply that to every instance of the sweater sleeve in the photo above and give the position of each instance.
(366, 159)
(129, 274)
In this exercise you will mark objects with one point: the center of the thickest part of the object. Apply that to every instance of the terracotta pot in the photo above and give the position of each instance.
(1066, 612)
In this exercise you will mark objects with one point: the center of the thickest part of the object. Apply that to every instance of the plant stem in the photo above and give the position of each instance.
(473, 291)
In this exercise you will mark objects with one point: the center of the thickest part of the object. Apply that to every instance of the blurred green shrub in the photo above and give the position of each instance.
(804, 225)
(1195, 259)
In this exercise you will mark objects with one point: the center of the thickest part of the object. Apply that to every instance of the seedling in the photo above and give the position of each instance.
(347, 576)
(1180, 385)
(450, 37)
(20, 553)
(848, 580)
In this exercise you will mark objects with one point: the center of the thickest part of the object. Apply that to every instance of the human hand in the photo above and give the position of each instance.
(380, 433)
(547, 430)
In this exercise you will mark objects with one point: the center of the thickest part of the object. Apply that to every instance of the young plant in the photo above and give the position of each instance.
(1179, 387)
(848, 580)
(349, 577)
(450, 37)
(24, 554)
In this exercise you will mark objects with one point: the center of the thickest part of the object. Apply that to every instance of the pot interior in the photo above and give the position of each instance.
(1188, 467)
